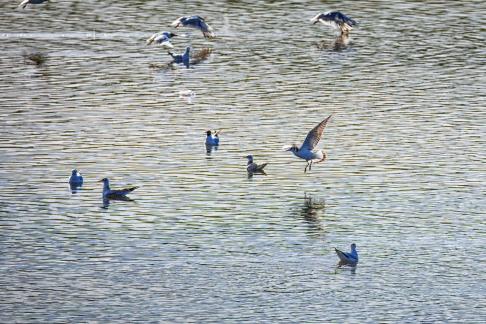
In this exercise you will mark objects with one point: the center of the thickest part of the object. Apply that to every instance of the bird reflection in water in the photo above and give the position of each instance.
(210, 149)
(312, 209)
(337, 45)
(75, 187)
(106, 201)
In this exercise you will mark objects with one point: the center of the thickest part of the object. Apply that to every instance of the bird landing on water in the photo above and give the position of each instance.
(336, 20)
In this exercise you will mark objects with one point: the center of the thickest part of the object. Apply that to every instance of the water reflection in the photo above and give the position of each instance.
(312, 210)
(210, 149)
(339, 44)
(106, 201)
(201, 55)
(75, 187)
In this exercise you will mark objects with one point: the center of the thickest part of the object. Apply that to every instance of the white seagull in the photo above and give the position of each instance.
(336, 20)
(76, 179)
(24, 3)
(252, 167)
(196, 22)
(306, 151)
(212, 139)
(350, 259)
(113, 194)
(162, 38)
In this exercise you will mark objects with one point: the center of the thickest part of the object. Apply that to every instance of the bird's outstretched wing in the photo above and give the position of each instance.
(315, 135)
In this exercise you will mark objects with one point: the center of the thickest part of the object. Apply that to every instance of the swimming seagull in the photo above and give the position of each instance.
(182, 58)
(336, 20)
(196, 22)
(76, 179)
(114, 194)
(24, 3)
(252, 167)
(212, 139)
(350, 259)
(162, 38)
(306, 151)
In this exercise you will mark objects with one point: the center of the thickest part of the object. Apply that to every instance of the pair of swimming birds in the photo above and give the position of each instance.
(307, 151)
(76, 180)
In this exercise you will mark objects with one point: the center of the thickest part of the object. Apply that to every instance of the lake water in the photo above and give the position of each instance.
(202, 242)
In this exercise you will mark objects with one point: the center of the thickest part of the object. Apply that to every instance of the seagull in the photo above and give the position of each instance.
(252, 167)
(114, 194)
(345, 258)
(212, 139)
(181, 58)
(76, 179)
(162, 38)
(196, 22)
(336, 20)
(306, 151)
(24, 3)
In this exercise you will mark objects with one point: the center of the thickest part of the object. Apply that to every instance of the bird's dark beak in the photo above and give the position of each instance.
(100, 180)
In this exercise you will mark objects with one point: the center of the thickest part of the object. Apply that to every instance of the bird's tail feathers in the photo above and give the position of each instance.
(261, 166)
(130, 189)
(209, 34)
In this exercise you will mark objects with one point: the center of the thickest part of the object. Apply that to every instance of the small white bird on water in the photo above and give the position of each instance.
(196, 22)
(336, 20)
(252, 167)
(349, 259)
(109, 193)
(76, 179)
(306, 151)
(212, 139)
(162, 38)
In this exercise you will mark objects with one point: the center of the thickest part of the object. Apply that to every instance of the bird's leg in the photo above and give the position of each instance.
(305, 170)
(310, 165)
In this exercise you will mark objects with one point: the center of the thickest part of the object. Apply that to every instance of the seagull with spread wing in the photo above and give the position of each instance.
(196, 22)
(114, 194)
(307, 151)
(336, 20)
(162, 38)
(347, 258)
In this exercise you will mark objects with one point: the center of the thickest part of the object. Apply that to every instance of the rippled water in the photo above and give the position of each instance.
(201, 242)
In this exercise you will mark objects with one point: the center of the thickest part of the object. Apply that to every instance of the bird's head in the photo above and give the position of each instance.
(170, 35)
(208, 133)
(104, 180)
(353, 246)
(74, 172)
(292, 148)
(249, 157)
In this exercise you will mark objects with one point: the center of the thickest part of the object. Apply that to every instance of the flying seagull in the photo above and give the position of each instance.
(76, 179)
(182, 58)
(24, 3)
(162, 38)
(307, 151)
(196, 22)
(114, 194)
(336, 20)
(345, 258)
(252, 167)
